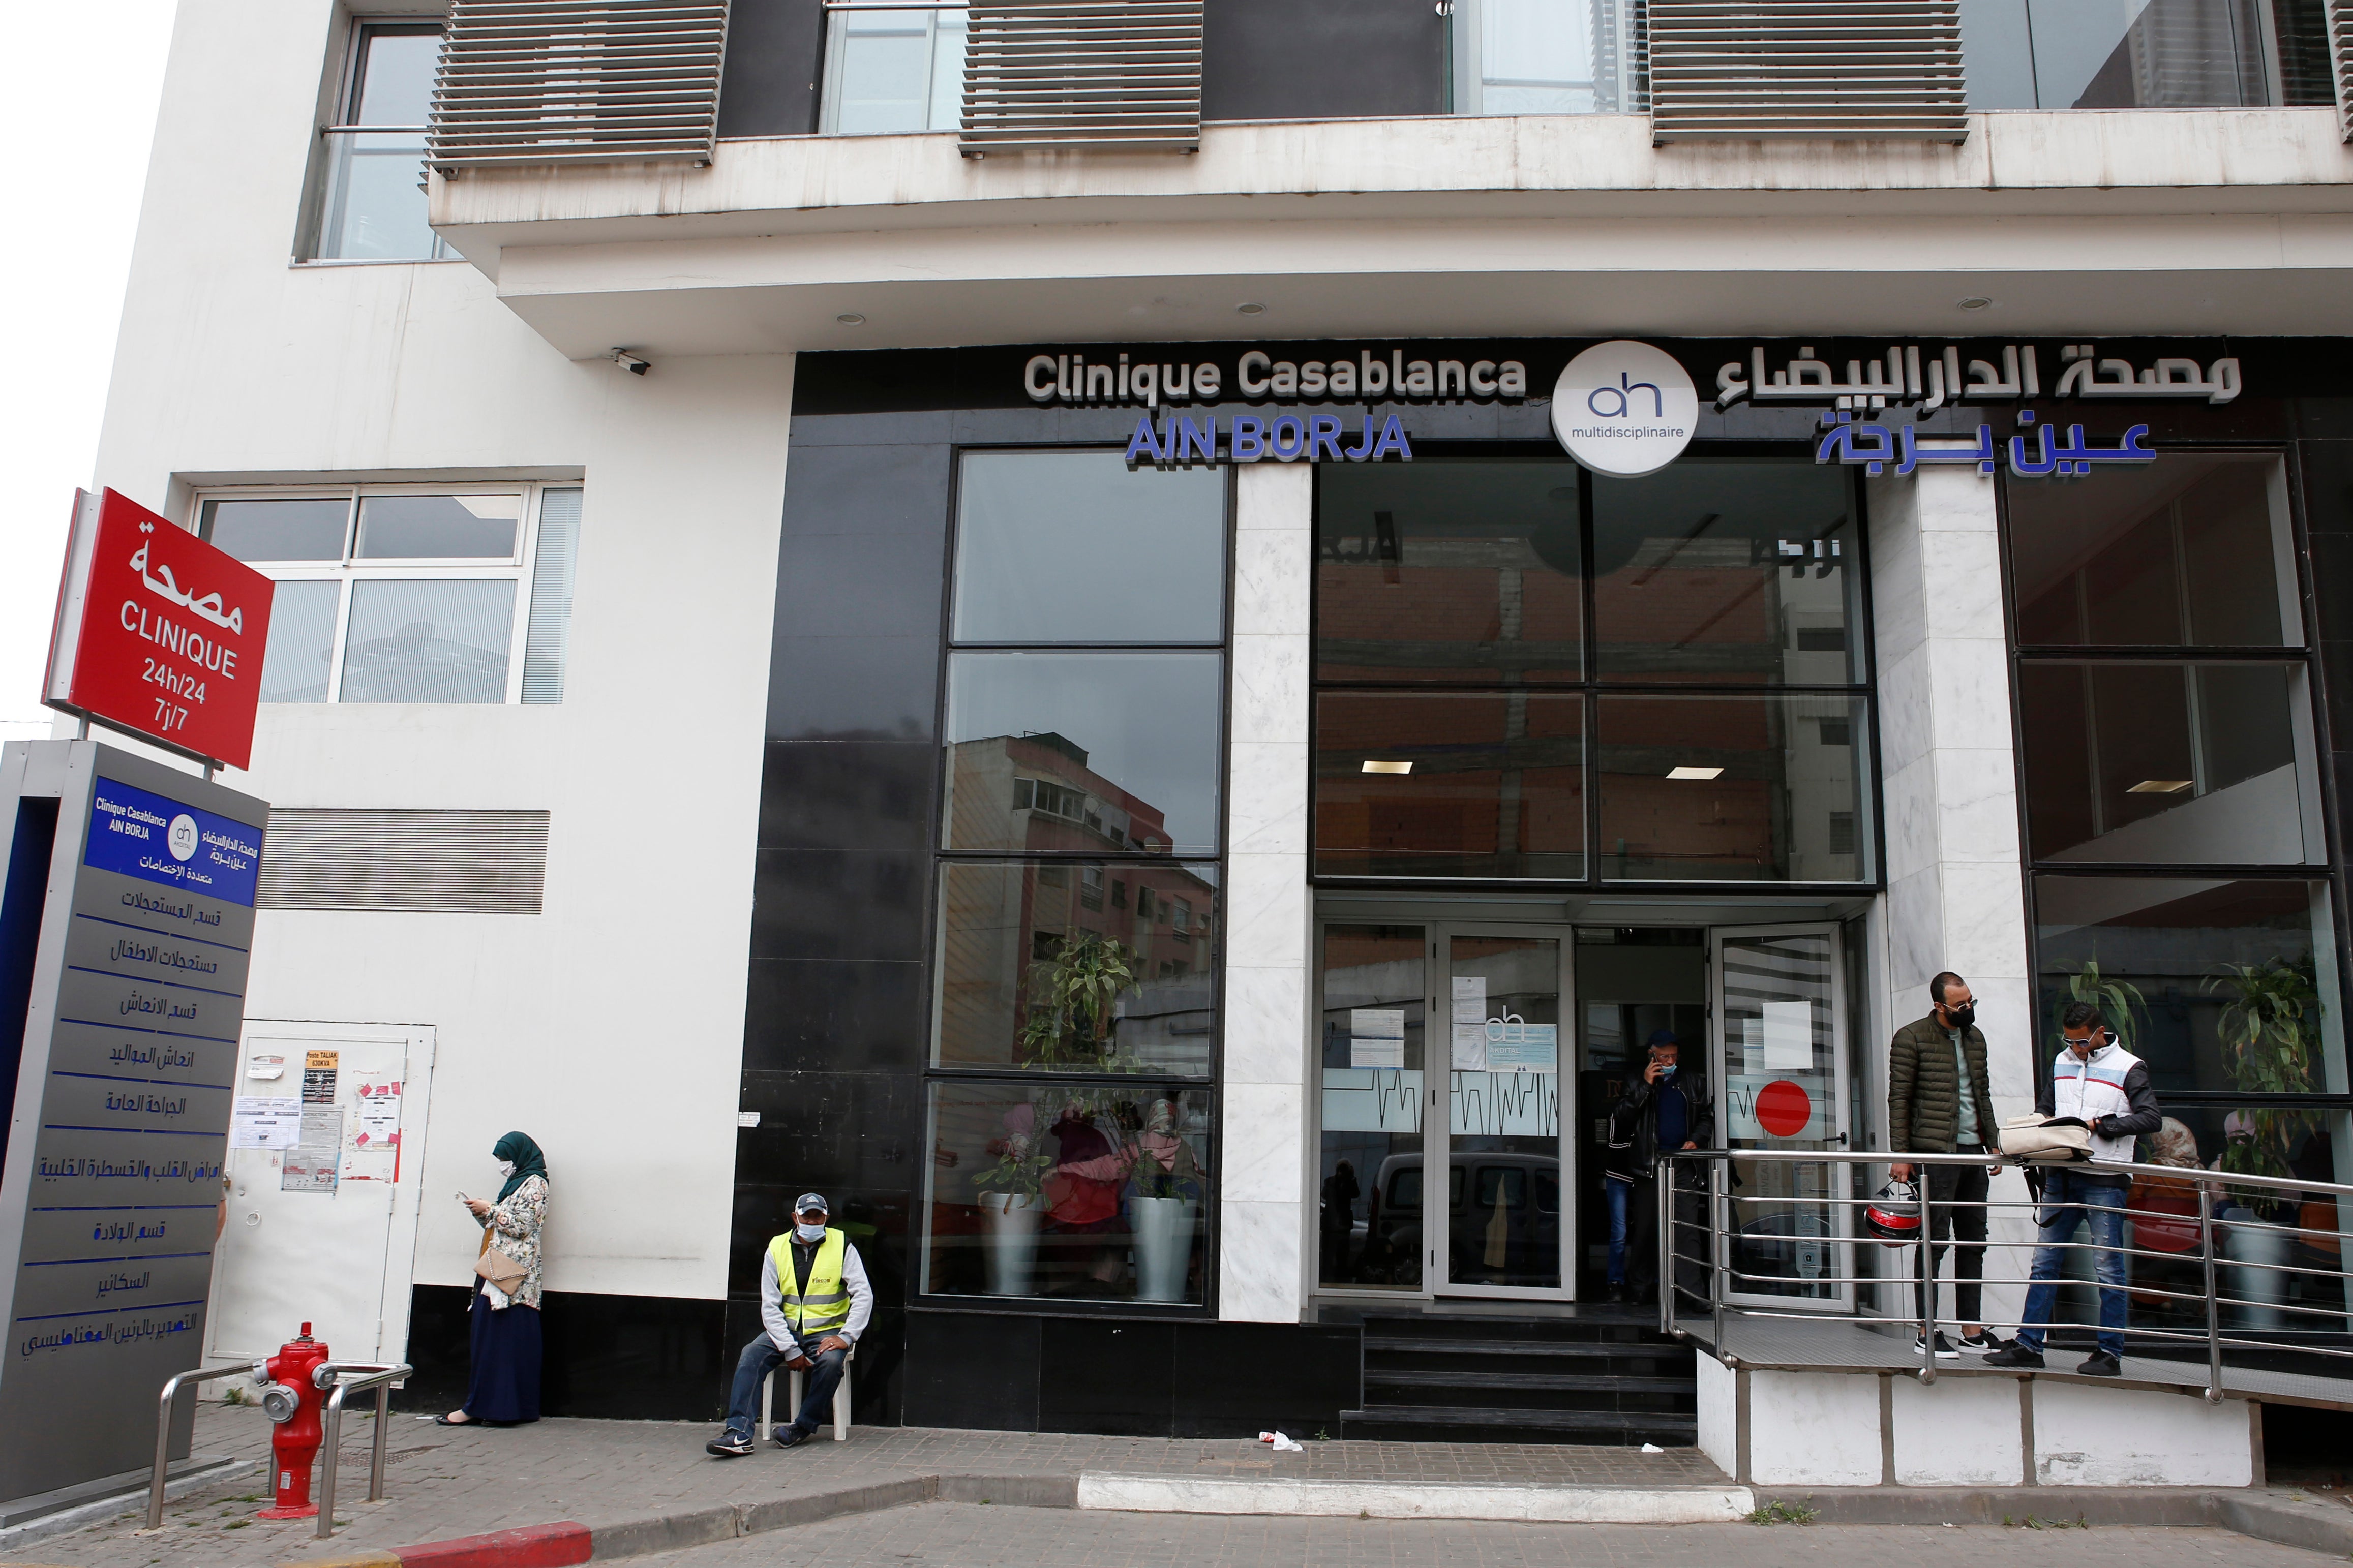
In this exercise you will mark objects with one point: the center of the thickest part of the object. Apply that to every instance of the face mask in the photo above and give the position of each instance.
(506, 1167)
(1963, 1015)
(1666, 1071)
(810, 1232)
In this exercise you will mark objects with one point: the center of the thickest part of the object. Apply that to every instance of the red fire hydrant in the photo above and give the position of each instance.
(293, 1404)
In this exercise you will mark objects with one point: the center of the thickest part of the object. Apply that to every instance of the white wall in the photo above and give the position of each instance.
(1718, 1425)
(610, 1026)
(2088, 1436)
(1957, 1432)
(1268, 1183)
(1813, 1429)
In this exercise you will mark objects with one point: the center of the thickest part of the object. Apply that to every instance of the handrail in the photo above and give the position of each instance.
(1726, 1272)
(380, 1376)
(164, 1431)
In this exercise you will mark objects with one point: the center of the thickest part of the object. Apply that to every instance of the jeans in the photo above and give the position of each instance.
(1615, 1192)
(761, 1357)
(1949, 1185)
(2070, 1199)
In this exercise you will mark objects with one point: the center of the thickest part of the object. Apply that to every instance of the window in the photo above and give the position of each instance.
(1074, 1046)
(1516, 658)
(402, 594)
(892, 70)
(373, 208)
(1547, 56)
(2144, 54)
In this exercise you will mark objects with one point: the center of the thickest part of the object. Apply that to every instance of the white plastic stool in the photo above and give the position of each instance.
(793, 1397)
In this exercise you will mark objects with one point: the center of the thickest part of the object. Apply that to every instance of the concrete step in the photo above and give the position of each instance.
(1463, 1424)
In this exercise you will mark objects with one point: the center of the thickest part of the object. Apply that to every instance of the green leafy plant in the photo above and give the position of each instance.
(1071, 999)
(2270, 1032)
(1782, 1513)
(2119, 1001)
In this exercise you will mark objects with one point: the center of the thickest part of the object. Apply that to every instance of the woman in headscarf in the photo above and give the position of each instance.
(505, 1390)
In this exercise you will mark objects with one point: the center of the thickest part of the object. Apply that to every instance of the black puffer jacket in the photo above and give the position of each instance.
(1924, 1093)
(1634, 1124)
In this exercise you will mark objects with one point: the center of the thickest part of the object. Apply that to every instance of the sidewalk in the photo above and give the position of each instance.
(442, 1483)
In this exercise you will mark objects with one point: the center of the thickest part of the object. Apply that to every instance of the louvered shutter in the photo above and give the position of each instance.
(558, 81)
(1045, 74)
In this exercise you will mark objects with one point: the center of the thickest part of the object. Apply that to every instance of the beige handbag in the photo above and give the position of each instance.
(2034, 1140)
(502, 1273)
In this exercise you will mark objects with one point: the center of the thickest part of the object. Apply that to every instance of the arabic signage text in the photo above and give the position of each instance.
(141, 833)
(158, 633)
(1905, 375)
(2032, 454)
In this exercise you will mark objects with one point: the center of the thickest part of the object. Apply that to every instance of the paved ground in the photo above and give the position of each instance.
(965, 1535)
(443, 1481)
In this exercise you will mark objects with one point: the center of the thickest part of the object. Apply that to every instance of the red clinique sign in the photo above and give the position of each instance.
(159, 632)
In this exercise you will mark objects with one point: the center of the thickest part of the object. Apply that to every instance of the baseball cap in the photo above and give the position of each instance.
(1662, 1037)
(808, 1202)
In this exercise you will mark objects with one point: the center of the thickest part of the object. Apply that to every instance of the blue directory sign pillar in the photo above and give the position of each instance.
(126, 928)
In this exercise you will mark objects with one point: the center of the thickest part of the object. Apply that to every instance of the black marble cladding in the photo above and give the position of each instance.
(644, 1358)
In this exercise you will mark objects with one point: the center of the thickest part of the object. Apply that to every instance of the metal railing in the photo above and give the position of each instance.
(2245, 1264)
(164, 1431)
(332, 1377)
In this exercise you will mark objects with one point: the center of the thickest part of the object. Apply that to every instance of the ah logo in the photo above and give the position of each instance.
(1624, 408)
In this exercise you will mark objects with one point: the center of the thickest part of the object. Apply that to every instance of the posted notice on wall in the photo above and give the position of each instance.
(1514, 1046)
(315, 1162)
(1376, 1036)
(319, 1077)
(265, 1123)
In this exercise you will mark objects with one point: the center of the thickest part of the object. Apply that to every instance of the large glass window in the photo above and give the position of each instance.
(373, 208)
(890, 68)
(1516, 660)
(2144, 54)
(1372, 1053)
(1079, 912)
(1547, 56)
(406, 595)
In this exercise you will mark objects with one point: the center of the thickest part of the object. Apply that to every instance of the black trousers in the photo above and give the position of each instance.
(1690, 1198)
(1956, 1194)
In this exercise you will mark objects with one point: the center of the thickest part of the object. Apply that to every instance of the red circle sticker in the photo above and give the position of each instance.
(1783, 1109)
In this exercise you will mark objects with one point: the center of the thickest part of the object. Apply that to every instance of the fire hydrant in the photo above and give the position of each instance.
(293, 1401)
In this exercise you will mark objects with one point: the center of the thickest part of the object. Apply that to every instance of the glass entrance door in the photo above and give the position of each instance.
(1496, 1224)
(1781, 1039)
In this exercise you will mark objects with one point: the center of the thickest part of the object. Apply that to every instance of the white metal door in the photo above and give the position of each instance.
(1498, 1216)
(324, 1185)
(1781, 1031)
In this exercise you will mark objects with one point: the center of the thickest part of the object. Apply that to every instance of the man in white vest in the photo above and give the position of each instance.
(2107, 1087)
(814, 1304)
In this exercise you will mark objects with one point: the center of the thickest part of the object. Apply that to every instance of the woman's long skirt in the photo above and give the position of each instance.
(506, 1363)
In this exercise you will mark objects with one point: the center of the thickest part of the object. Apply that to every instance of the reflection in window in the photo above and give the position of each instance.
(421, 640)
(1082, 1192)
(425, 527)
(294, 529)
(299, 662)
(1077, 547)
(889, 70)
(374, 208)
(2189, 550)
(1732, 789)
(1547, 56)
(1036, 972)
(1369, 1206)
(1727, 571)
(1448, 571)
(1450, 785)
(2163, 764)
(2144, 54)
(1084, 751)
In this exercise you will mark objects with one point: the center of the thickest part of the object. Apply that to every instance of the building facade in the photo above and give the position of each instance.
(1106, 686)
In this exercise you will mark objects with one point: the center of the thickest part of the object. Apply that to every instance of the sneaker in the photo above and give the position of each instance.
(1619, 1294)
(2100, 1364)
(1945, 1351)
(785, 1438)
(2018, 1355)
(1985, 1341)
(727, 1445)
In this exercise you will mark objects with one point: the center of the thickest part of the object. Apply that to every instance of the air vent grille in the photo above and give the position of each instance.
(1745, 69)
(1117, 74)
(453, 862)
(558, 81)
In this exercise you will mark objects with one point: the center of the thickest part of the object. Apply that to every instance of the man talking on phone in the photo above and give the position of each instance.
(1665, 1109)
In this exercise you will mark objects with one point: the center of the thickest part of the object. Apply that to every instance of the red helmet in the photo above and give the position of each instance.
(1893, 1216)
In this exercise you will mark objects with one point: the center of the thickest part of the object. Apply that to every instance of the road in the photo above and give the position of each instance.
(975, 1535)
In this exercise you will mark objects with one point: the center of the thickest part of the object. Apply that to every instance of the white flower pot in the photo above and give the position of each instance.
(1163, 1247)
(2254, 1278)
(1012, 1241)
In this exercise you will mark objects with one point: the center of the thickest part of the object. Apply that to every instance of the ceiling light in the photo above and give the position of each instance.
(1700, 774)
(1373, 767)
(2159, 786)
(1252, 308)
(850, 319)
(1974, 302)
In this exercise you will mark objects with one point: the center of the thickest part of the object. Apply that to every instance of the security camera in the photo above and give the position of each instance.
(629, 362)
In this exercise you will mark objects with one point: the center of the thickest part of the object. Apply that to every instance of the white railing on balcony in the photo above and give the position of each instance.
(1120, 75)
(561, 81)
(1744, 69)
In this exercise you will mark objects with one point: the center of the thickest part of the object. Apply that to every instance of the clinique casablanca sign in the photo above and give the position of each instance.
(1628, 408)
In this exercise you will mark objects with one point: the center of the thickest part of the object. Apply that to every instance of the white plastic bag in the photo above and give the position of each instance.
(1280, 1443)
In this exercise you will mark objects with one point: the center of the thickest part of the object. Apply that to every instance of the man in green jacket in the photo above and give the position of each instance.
(1939, 1102)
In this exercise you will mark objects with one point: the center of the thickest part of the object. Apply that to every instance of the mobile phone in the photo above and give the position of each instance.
(464, 1199)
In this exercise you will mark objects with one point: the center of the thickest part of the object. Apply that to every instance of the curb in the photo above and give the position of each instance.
(2265, 1516)
(556, 1545)
(1409, 1500)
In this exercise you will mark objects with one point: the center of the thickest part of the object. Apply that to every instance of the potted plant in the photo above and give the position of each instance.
(2270, 1033)
(1071, 997)
(1010, 1202)
(1168, 1187)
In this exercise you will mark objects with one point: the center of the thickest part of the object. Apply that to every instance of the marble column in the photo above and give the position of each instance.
(1264, 1185)
(1955, 899)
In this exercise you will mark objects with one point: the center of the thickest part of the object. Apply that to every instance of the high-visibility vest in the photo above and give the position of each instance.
(823, 1306)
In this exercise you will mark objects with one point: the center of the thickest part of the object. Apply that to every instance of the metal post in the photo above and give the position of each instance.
(1716, 1249)
(163, 1433)
(332, 1445)
(1926, 1279)
(2213, 1313)
(1665, 1195)
(383, 1421)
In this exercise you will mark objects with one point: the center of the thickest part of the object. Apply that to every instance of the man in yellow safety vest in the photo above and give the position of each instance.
(814, 1304)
